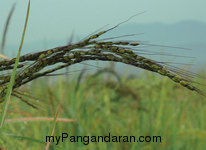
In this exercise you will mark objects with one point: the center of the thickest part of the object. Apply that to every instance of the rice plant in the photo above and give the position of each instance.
(35, 65)
(44, 63)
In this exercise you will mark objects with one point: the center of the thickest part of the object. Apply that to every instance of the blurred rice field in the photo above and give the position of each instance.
(144, 105)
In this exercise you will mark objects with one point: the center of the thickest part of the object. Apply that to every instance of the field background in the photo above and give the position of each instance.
(122, 101)
(146, 104)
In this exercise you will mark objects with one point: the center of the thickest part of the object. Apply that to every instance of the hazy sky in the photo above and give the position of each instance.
(56, 19)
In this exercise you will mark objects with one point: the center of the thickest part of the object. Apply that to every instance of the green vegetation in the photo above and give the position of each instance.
(145, 105)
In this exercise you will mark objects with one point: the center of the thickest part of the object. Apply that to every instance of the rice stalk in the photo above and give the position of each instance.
(8, 90)
(32, 119)
(6, 30)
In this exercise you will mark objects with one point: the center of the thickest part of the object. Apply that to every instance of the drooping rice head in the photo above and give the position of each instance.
(32, 66)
